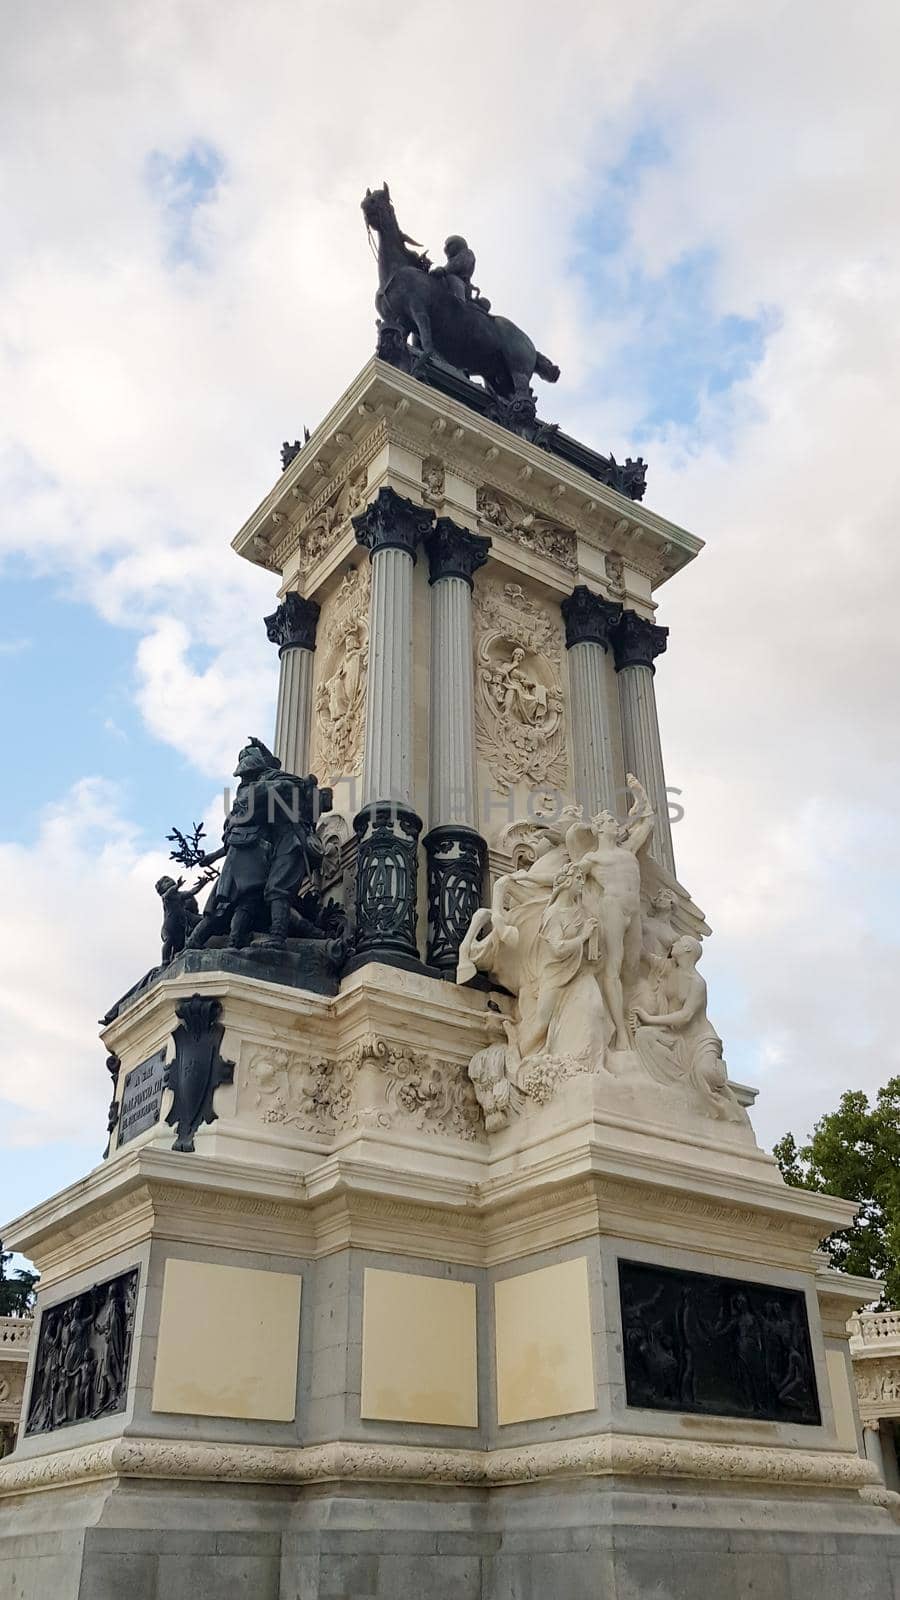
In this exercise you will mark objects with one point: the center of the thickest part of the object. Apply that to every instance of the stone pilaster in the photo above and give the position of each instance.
(589, 620)
(636, 643)
(293, 628)
(456, 851)
(387, 827)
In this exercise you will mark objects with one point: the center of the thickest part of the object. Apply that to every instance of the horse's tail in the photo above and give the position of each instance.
(546, 369)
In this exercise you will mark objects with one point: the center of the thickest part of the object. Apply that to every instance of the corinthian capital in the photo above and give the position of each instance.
(392, 523)
(636, 642)
(589, 618)
(454, 552)
(293, 625)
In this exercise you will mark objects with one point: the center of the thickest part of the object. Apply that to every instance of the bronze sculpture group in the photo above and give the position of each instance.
(270, 853)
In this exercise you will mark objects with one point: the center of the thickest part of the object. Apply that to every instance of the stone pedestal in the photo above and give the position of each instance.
(387, 1288)
(367, 1348)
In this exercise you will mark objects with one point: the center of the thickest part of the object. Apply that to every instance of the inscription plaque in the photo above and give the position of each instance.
(142, 1097)
(697, 1342)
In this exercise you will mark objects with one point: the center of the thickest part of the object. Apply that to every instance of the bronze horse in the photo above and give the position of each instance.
(417, 302)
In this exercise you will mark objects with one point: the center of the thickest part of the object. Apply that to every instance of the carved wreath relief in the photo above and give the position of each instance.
(81, 1370)
(519, 717)
(341, 693)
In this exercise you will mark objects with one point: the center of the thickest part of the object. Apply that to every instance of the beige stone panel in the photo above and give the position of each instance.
(545, 1365)
(841, 1398)
(419, 1359)
(228, 1342)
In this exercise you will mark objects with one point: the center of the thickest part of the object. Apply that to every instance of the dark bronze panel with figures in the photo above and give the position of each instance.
(81, 1370)
(694, 1342)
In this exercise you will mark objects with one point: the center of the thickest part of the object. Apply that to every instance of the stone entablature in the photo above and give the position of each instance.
(15, 1345)
(545, 516)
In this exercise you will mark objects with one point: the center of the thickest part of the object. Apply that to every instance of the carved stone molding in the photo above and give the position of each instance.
(598, 1455)
(293, 625)
(433, 477)
(340, 700)
(636, 642)
(391, 522)
(537, 534)
(589, 618)
(519, 713)
(454, 552)
(326, 517)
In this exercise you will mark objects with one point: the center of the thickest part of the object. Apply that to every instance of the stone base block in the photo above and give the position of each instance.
(576, 1540)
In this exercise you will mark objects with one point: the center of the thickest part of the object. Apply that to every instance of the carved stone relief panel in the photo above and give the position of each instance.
(877, 1380)
(376, 1084)
(535, 533)
(343, 654)
(519, 713)
(83, 1355)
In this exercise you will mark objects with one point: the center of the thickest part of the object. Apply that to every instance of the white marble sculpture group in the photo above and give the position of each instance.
(589, 937)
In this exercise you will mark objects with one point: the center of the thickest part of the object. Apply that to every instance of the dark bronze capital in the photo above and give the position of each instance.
(636, 642)
(392, 523)
(454, 552)
(589, 619)
(293, 625)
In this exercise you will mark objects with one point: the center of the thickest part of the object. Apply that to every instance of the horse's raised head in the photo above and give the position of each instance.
(376, 206)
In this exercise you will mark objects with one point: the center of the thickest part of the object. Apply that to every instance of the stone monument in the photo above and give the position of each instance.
(432, 1251)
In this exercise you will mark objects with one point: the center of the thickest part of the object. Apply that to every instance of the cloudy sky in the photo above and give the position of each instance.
(694, 208)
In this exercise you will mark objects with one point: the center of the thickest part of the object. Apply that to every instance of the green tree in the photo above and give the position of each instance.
(855, 1152)
(16, 1292)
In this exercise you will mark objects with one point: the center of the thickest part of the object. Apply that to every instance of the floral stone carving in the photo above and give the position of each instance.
(321, 532)
(341, 692)
(583, 933)
(377, 1083)
(519, 716)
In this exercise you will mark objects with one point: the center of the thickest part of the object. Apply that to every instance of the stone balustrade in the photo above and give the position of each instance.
(15, 1335)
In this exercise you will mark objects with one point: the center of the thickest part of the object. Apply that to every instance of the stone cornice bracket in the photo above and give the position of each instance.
(589, 619)
(293, 625)
(454, 552)
(392, 523)
(636, 642)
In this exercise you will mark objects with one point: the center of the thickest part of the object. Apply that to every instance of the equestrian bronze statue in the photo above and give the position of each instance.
(443, 312)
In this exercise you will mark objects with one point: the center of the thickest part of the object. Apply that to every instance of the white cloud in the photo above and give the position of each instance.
(145, 407)
(81, 920)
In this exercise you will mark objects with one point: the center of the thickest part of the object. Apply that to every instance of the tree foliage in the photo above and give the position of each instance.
(855, 1152)
(16, 1292)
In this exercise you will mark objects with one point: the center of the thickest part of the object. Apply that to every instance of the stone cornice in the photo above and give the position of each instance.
(293, 625)
(454, 552)
(383, 402)
(588, 618)
(593, 1456)
(392, 522)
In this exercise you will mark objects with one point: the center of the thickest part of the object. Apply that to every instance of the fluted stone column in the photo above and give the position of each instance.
(387, 827)
(293, 628)
(455, 850)
(636, 642)
(589, 620)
